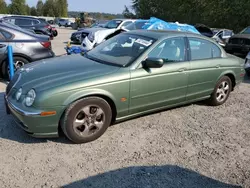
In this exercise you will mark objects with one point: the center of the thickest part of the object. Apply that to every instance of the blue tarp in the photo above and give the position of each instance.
(158, 24)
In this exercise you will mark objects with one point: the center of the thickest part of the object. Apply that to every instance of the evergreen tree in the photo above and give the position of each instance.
(33, 11)
(39, 8)
(3, 7)
(18, 7)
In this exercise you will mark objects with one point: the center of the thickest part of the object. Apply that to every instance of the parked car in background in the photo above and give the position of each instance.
(131, 74)
(64, 22)
(27, 47)
(247, 64)
(109, 28)
(53, 29)
(222, 35)
(27, 22)
(239, 43)
(99, 23)
(204, 30)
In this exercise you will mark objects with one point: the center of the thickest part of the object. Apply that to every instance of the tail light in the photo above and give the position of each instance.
(46, 44)
(48, 26)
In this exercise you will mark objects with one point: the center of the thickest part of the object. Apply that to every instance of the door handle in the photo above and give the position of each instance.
(217, 66)
(2, 45)
(182, 69)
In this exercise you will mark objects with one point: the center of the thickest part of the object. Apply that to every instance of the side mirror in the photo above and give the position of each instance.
(153, 63)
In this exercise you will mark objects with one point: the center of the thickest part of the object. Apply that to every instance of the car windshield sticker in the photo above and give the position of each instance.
(143, 42)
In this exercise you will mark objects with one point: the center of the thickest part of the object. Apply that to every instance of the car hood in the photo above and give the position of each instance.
(244, 36)
(59, 71)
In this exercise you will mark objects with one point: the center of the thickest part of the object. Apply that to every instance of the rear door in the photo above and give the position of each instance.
(205, 67)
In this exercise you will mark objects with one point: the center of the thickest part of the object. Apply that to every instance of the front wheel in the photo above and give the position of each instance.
(87, 119)
(221, 91)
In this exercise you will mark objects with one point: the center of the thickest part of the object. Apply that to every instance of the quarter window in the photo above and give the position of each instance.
(216, 52)
(203, 49)
(170, 50)
(35, 22)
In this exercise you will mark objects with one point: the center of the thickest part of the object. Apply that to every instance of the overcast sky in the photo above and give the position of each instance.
(108, 6)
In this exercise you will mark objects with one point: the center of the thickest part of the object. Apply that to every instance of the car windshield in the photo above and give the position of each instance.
(246, 31)
(113, 24)
(136, 25)
(120, 50)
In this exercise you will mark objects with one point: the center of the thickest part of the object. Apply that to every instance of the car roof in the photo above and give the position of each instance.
(157, 34)
(32, 17)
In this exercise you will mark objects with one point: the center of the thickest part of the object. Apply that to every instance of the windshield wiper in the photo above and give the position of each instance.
(101, 61)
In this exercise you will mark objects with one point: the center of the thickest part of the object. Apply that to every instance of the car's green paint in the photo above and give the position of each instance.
(60, 81)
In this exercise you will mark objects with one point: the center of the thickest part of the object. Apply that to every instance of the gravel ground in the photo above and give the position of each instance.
(191, 146)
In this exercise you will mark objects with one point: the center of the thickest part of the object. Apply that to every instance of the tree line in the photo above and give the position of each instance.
(52, 8)
(96, 15)
(232, 14)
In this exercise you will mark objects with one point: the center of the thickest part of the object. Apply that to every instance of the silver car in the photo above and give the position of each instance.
(27, 47)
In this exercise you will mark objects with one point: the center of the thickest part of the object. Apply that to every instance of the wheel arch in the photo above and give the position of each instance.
(232, 77)
(104, 95)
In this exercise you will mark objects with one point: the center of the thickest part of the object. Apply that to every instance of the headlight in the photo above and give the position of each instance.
(91, 37)
(18, 94)
(30, 97)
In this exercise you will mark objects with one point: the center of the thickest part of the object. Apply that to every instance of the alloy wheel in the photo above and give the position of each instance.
(89, 120)
(222, 91)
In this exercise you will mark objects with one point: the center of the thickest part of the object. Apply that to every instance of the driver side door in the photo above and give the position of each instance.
(159, 87)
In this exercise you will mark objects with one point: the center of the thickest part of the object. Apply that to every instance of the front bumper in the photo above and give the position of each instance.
(32, 122)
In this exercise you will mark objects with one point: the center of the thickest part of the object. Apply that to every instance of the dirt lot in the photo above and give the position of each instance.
(191, 146)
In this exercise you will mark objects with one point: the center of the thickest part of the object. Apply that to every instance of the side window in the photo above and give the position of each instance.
(200, 49)
(126, 23)
(21, 21)
(35, 22)
(227, 33)
(216, 51)
(170, 50)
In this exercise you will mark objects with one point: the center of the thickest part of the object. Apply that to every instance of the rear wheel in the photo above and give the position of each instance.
(87, 119)
(221, 91)
(18, 63)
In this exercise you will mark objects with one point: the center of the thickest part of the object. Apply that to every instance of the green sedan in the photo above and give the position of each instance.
(131, 74)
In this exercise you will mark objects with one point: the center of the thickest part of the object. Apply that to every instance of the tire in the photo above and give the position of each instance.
(55, 33)
(248, 73)
(5, 66)
(85, 120)
(221, 91)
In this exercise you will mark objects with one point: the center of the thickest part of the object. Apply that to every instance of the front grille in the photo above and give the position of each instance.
(239, 41)
(12, 82)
